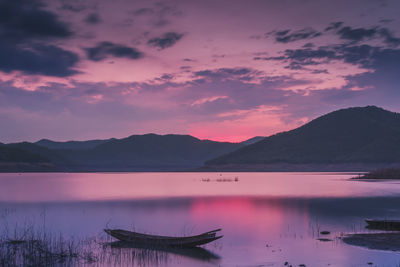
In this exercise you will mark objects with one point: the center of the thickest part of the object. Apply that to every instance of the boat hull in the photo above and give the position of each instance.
(154, 240)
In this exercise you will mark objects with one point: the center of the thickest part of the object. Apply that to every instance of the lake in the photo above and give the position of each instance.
(267, 219)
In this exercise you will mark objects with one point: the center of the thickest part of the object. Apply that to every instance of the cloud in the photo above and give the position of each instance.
(384, 78)
(288, 36)
(26, 20)
(388, 37)
(308, 56)
(208, 100)
(68, 112)
(379, 67)
(365, 56)
(355, 51)
(357, 35)
(26, 33)
(76, 6)
(334, 25)
(159, 14)
(241, 74)
(347, 33)
(324, 71)
(93, 18)
(143, 11)
(41, 59)
(222, 103)
(108, 49)
(166, 40)
(223, 72)
(298, 58)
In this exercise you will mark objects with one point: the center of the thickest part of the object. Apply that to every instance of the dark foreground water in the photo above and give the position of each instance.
(267, 218)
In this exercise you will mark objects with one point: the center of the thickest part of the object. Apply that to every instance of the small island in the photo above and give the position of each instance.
(381, 174)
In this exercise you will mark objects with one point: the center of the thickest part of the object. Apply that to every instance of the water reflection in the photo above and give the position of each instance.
(51, 187)
(256, 230)
(196, 253)
(259, 229)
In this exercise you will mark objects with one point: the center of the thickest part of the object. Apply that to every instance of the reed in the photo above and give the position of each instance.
(28, 246)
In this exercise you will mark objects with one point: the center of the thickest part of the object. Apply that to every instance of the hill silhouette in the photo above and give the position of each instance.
(148, 152)
(252, 140)
(15, 159)
(360, 138)
(78, 145)
(353, 135)
(14, 154)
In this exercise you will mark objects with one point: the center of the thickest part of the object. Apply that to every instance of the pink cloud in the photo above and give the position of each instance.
(239, 125)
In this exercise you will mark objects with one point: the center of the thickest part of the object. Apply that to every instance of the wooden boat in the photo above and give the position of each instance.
(383, 224)
(158, 240)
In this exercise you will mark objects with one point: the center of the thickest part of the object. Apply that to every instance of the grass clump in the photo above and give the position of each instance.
(38, 248)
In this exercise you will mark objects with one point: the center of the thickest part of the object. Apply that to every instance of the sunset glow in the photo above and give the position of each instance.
(217, 70)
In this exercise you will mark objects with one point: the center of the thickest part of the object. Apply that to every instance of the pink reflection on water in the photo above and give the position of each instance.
(31, 187)
(237, 215)
(289, 226)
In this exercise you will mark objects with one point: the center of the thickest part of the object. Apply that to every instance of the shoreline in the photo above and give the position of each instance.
(380, 175)
(387, 241)
(186, 171)
(359, 169)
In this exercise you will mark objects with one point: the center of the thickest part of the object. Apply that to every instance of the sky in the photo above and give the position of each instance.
(224, 70)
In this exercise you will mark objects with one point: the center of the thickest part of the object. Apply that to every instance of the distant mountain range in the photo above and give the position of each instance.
(353, 139)
(74, 145)
(253, 140)
(13, 158)
(149, 152)
(348, 139)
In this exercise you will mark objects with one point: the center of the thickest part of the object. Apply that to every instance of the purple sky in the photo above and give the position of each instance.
(222, 70)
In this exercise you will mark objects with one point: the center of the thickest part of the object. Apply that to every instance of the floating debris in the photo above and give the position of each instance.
(227, 179)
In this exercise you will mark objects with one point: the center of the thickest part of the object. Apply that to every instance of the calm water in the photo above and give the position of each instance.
(267, 218)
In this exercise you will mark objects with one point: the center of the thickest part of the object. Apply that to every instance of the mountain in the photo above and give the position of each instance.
(353, 139)
(357, 136)
(252, 140)
(15, 159)
(149, 152)
(13, 154)
(75, 145)
(50, 155)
